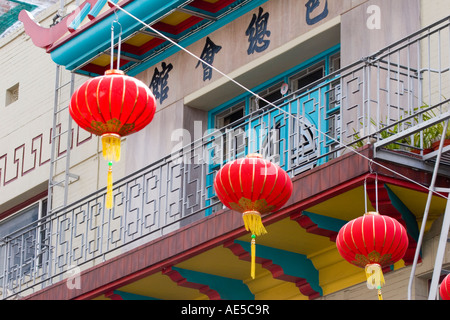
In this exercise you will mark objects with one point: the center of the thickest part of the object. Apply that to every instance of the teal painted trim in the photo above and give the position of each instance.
(324, 222)
(9, 18)
(197, 36)
(80, 17)
(97, 8)
(132, 296)
(244, 97)
(96, 39)
(409, 218)
(280, 77)
(228, 288)
(293, 264)
(313, 118)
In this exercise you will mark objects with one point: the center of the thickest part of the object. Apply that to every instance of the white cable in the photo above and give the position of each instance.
(371, 161)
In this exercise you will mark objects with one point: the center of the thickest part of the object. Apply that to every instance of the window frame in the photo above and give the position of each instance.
(328, 58)
(28, 259)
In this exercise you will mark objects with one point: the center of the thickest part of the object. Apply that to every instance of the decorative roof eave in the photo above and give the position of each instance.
(83, 38)
(58, 34)
(71, 46)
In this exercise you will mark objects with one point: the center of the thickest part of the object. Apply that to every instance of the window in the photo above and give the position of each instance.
(290, 137)
(272, 94)
(12, 94)
(306, 130)
(308, 76)
(229, 116)
(232, 143)
(20, 238)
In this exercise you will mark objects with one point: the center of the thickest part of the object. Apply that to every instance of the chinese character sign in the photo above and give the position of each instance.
(257, 32)
(312, 17)
(158, 85)
(208, 53)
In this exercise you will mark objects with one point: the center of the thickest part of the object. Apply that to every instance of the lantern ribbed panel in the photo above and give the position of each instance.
(372, 238)
(252, 184)
(113, 103)
(444, 288)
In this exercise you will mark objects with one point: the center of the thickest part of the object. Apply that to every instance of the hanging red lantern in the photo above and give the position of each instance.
(254, 187)
(112, 106)
(373, 242)
(444, 288)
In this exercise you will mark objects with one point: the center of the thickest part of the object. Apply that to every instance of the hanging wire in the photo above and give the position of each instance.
(371, 161)
(116, 21)
(376, 190)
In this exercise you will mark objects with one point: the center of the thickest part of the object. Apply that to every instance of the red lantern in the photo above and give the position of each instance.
(373, 242)
(444, 288)
(112, 106)
(254, 187)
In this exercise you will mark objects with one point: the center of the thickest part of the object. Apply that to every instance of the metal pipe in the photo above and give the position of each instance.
(425, 214)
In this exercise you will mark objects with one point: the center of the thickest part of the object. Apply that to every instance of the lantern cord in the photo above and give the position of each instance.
(376, 191)
(119, 42)
(270, 103)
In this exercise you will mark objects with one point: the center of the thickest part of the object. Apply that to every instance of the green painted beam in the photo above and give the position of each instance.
(409, 218)
(325, 222)
(132, 296)
(293, 264)
(228, 288)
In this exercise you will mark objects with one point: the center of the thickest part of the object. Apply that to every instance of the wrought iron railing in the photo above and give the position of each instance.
(171, 192)
(385, 99)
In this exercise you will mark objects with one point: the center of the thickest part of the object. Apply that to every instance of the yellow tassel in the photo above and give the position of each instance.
(111, 152)
(380, 297)
(375, 278)
(109, 187)
(111, 147)
(253, 251)
(253, 223)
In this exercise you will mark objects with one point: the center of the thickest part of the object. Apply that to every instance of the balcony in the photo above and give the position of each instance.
(396, 100)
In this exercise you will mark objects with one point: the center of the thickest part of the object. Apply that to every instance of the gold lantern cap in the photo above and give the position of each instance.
(114, 71)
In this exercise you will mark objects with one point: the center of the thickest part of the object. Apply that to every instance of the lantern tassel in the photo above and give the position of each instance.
(111, 152)
(380, 297)
(109, 187)
(375, 278)
(253, 223)
(111, 147)
(253, 257)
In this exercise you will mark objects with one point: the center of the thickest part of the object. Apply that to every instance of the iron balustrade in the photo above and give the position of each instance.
(382, 99)
(169, 193)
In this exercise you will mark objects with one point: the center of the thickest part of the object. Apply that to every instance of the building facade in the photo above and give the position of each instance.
(346, 96)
